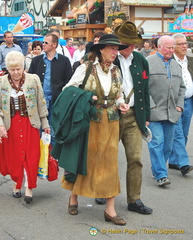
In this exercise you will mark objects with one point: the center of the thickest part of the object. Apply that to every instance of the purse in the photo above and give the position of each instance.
(53, 168)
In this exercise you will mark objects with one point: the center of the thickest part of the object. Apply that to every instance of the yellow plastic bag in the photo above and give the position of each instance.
(44, 154)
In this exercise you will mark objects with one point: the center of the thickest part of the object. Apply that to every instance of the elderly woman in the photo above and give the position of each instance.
(22, 112)
(102, 179)
(37, 48)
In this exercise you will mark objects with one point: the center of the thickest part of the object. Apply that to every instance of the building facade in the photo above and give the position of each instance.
(150, 16)
(80, 19)
(38, 8)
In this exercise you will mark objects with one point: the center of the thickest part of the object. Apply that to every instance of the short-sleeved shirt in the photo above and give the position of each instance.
(4, 50)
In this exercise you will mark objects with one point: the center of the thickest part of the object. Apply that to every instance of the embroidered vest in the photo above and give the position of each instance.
(22, 106)
(104, 102)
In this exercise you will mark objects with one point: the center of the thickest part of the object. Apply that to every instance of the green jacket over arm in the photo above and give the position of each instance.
(71, 122)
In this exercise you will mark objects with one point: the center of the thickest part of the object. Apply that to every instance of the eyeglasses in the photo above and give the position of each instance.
(45, 42)
(182, 44)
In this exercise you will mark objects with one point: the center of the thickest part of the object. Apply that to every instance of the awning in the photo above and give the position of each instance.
(57, 9)
(24, 35)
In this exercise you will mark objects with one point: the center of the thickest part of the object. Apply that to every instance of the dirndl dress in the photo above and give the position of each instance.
(102, 179)
(21, 151)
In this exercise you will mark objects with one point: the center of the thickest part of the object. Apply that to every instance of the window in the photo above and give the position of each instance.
(19, 6)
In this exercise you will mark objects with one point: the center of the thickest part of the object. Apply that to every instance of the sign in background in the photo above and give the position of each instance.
(81, 18)
(182, 23)
(25, 24)
(149, 2)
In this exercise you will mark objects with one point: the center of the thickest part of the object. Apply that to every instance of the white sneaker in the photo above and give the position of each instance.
(163, 181)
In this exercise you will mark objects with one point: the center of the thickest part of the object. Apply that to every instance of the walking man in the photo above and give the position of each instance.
(179, 158)
(54, 71)
(167, 91)
(135, 72)
(6, 48)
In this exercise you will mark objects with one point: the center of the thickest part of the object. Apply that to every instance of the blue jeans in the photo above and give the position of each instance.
(160, 147)
(179, 154)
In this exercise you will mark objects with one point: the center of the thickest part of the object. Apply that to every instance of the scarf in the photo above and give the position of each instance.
(105, 66)
(19, 88)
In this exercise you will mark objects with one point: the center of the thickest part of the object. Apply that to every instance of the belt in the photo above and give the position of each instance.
(18, 112)
(105, 103)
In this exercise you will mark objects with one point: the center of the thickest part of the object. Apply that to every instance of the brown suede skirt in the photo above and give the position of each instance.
(102, 179)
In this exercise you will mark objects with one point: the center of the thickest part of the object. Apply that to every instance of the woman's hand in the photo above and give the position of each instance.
(3, 132)
(47, 130)
(124, 107)
(95, 98)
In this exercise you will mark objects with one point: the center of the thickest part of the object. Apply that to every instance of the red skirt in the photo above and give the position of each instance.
(21, 150)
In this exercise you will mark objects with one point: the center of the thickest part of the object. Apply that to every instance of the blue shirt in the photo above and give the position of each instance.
(47, 79)
(166, 63)
(4, 50)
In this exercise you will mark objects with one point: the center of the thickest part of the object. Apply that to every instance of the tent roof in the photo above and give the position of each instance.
(57, 9)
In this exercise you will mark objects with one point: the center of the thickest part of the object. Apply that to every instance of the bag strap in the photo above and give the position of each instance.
(88, 72)
(127, 99)
(62, 50)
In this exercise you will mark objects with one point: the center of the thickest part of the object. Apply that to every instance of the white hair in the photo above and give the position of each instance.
(177, 36)
(13, 59)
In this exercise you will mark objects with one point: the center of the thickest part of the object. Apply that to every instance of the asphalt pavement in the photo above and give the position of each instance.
(47, 218)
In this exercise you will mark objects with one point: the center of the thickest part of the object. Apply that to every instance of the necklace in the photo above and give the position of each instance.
(19, 87)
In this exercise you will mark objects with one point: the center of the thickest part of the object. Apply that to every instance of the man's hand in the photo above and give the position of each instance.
(179, 109)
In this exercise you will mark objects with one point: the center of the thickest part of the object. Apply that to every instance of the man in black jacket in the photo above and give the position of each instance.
(53, 69)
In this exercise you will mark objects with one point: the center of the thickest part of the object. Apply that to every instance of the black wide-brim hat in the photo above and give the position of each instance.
(108, 39)
(127, 33)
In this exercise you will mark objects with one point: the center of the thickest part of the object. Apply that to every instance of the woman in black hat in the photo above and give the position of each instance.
(102, 179)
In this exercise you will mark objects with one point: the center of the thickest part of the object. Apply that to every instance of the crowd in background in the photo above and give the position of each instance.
(121, 87)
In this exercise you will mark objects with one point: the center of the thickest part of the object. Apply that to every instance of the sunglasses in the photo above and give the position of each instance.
(45, 42)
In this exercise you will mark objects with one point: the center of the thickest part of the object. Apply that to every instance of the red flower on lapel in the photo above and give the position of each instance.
(144, 76)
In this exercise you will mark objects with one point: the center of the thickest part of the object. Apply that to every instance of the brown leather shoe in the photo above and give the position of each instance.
(73, 209)
(117, 220)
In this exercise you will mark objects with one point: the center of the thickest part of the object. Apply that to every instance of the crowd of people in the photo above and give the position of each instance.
(89, 98)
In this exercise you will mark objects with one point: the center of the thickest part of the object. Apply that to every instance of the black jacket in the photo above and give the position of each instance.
(61, 72)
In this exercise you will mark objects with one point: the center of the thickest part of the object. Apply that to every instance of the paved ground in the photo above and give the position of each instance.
(47, 217)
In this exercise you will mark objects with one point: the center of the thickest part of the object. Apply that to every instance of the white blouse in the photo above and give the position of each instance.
(105, 79)
(15, 96)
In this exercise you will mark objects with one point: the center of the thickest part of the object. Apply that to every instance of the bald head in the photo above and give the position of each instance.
(166, 47)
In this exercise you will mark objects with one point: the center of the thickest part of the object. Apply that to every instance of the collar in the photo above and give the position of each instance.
(96, 62)
(130, 57)
(9, 47)
(179, 60)
(162, 57)
(55, 56)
